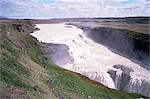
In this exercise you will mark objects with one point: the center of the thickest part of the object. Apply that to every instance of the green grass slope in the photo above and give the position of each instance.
(26, 74)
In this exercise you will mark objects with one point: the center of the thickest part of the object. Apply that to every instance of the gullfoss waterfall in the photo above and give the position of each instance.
(80, 54)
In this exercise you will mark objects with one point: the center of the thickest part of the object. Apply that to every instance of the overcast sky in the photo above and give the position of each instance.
(73, 8)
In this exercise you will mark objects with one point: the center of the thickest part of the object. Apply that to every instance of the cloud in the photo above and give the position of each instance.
(19, 8)
(73, 8)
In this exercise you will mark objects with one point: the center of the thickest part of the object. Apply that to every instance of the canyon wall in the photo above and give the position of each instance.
(130, 44)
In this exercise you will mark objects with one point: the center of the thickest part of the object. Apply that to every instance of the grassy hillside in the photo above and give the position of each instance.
(26, 74)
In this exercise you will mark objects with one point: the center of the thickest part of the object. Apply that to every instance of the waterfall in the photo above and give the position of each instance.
(88, 57)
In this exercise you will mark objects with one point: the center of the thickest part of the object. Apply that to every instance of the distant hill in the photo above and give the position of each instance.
(138, 19)
(132, 20)
(142, 20)
(3, 18)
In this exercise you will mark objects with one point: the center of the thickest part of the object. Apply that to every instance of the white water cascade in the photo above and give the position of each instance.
(90, 59)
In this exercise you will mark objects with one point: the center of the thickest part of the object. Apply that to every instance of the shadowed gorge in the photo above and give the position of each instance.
(131, 44)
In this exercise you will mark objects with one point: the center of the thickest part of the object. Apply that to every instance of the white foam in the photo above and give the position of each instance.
(89, 56)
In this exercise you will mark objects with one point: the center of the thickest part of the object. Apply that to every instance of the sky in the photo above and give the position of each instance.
(73, 8)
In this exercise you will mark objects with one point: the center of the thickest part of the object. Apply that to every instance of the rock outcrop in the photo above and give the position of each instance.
(123, 80)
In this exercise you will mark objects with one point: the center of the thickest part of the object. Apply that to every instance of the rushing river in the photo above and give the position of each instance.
(90, 59)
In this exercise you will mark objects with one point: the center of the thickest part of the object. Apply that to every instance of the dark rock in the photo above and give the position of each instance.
(81, 36)
(112, 74)
(125, 69)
